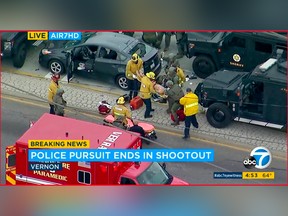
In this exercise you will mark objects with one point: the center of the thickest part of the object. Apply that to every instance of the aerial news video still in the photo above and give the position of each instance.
(143, 108)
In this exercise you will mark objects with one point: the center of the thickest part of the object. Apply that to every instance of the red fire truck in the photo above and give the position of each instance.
(52, 127)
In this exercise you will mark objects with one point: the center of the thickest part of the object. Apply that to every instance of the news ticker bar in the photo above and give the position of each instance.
(45, 35)
(121, 155)
(244, 175)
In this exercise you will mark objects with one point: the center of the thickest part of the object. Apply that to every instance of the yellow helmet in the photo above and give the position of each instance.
(121, 100)
(135, 57)
(151, 75)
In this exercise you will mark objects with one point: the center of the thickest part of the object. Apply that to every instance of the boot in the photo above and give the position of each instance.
(175, 123)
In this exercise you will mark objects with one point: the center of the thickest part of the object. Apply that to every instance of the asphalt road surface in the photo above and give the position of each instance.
(17, 112)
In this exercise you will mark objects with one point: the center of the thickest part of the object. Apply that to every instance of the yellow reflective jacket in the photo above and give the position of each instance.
(190, 103)
(181, 75)
(120, 113)
(132, 68)
(147, 87)
(53, 87)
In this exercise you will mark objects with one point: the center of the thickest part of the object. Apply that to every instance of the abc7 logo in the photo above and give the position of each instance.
(259, 158)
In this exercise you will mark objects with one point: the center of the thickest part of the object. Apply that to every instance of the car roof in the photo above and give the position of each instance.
(112, 40)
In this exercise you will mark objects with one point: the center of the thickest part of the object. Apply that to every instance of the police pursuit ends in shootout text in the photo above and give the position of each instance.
(151, 155)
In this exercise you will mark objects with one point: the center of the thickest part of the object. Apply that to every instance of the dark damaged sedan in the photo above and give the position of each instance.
(101, 54)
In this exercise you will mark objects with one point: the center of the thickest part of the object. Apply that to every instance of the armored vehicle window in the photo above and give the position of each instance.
(84, 177)
(237, 42)
(263, 47)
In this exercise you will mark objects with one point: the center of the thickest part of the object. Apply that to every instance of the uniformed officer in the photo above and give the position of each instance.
(134, 65)
(174, 93)
(180, 75)
(180, 38)
(150, 38)
(146, 90)
(173, 76)
(190, 103)
(120, 113)
(167, 39)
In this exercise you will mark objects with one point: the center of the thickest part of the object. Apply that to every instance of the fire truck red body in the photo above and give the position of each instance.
(51, 127)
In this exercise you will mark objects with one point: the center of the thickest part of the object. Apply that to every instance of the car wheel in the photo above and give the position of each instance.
(56, 67)
(20, 56)
(121, 81)
(218, 115)
(203, 66)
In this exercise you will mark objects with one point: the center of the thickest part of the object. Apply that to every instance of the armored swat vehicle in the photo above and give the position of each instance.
(239, 51)
(258, 97)
(15, 45)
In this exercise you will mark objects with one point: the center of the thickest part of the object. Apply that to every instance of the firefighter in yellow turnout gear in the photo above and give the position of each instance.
(133, 68)
(120, 113)
(146, 90)
(190, 103)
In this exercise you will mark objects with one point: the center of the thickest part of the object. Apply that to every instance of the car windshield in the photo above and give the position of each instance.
(85, 36)
(154, 174)
(141, 49)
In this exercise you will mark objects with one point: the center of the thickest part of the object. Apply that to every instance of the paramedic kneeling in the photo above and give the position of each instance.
(190, 103)
(120, 113)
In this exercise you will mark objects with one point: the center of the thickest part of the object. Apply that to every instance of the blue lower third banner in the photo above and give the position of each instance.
(65, 36)
(44, 166)
(119, 155)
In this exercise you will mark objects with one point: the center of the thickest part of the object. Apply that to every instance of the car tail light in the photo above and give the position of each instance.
(238, 92)
(46, 52)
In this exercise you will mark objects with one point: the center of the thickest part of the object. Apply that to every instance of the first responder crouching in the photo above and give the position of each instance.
(120, 113)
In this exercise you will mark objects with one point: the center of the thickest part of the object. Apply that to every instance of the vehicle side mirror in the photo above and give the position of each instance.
(163, 166)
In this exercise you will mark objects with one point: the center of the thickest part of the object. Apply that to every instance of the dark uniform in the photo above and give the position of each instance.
(167, 39)
(175, 93)
(137, 129)
(59, 102)
(180, 38)
(150, 38)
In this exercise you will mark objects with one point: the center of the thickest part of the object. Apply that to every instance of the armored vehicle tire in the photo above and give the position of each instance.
(203, 66)
(20, 56)
(218, 115)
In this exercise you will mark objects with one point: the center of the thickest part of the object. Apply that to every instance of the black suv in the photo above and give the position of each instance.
(258, 97)
(14, 45)
(240, 51)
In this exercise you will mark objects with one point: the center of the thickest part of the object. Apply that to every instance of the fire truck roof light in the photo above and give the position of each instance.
(266, 65)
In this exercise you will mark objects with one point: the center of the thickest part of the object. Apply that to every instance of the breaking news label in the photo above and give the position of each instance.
(244, 175)
(122, 155)
(45, 35)
(59, 144)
